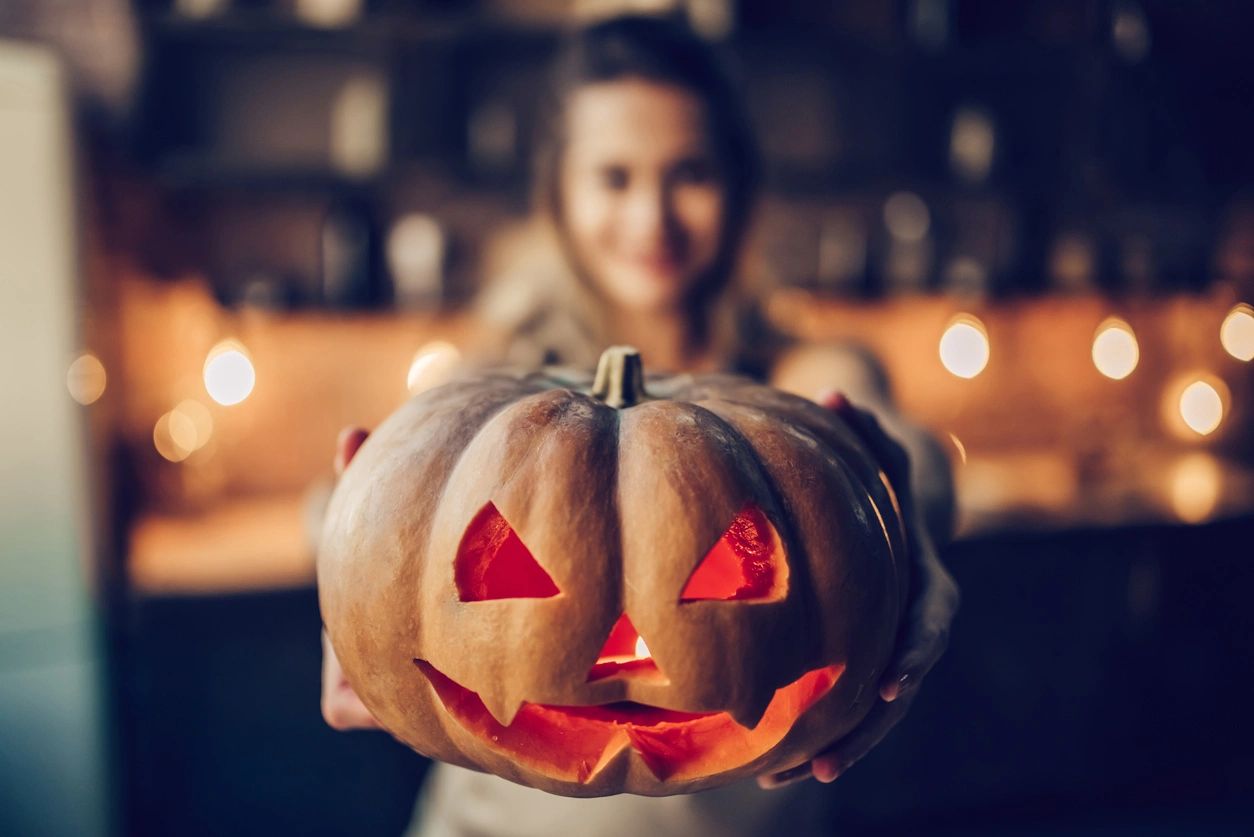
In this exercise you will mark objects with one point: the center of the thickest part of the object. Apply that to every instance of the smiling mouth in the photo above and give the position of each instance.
(574, 743)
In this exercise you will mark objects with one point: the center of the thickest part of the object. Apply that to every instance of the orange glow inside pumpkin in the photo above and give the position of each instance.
(746, 564)
(493, 563)
(573, 743)
(625, 654)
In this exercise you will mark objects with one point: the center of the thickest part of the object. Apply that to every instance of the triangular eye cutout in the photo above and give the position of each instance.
(493, 563)
(747, 563)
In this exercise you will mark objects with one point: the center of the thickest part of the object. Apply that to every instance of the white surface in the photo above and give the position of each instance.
(51, 757)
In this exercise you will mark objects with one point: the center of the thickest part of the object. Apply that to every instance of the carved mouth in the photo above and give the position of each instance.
(574, 743)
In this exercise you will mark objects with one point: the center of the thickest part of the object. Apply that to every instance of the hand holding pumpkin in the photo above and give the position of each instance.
(342, 709)
(924, 635)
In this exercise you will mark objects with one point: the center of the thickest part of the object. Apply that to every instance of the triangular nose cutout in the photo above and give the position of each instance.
(624, 654)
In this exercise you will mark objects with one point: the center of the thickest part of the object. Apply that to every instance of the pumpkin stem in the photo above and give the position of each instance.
(620, 377)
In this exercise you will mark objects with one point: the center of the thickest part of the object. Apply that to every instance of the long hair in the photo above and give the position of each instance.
(555, 314)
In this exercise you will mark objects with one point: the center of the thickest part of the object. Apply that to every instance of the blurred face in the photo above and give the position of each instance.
(642, 199)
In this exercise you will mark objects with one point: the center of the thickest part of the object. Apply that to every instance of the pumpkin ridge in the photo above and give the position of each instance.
(836, 456)
(524, 384)
(748, 715)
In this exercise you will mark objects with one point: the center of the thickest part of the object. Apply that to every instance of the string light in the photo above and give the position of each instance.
(433, 364)
(1237, 332)
(1196, 483)
(229, 374)
(964, 347)
(1115, 349)
(1201, 407)
(182, 431)
(86, 379)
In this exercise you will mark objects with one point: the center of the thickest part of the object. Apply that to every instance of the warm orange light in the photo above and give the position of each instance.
(1196, 483)
(86, 379)
(574, 743)
(229, 374)
(182, 431)
(1115, 349)
(1201, 407)
(194, 415)
(433, 365)
(964, 347)
(1237, 332)
(625, 654)
(173, 436)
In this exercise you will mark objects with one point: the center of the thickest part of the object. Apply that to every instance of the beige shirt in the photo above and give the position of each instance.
(463, 803)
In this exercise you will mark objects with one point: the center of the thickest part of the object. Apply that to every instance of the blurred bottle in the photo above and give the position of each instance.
(416, 249)
(842, 254)
(909, 248)
(350, 263)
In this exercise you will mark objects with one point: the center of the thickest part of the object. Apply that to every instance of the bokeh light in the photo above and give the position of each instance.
(433, 365)
(86, 379)
(173, 436)
(1196, 485)
(906, 216)
(1115, 350)
(972, 140)
(415, 256)
(182, 431)
(198, 417)
(328, 13)
(964, 347)
(1237, 332)
(1201, 407)
(229, 373)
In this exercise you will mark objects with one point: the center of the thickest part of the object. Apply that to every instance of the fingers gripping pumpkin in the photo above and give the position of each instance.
(591, 589)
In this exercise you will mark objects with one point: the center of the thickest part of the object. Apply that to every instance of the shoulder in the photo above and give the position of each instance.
(811, 369)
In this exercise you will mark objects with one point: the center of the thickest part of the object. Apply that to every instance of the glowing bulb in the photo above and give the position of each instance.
(194, 415)
(964, 347)
(1195, 487)
(171, 438)
(1237, 332)
(1115, 350)
(86, 379)
(1201, 407)
(642, 650)
(433, 364)
(229, 374)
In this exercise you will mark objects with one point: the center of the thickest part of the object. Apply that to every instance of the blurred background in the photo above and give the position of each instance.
(230, 227)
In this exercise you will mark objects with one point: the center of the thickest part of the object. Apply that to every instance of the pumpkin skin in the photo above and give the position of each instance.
(619, 506)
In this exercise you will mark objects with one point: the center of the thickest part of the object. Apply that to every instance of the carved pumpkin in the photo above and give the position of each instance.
(594, 589)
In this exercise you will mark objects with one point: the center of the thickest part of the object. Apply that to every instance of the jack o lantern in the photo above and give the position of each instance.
(589, 588)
